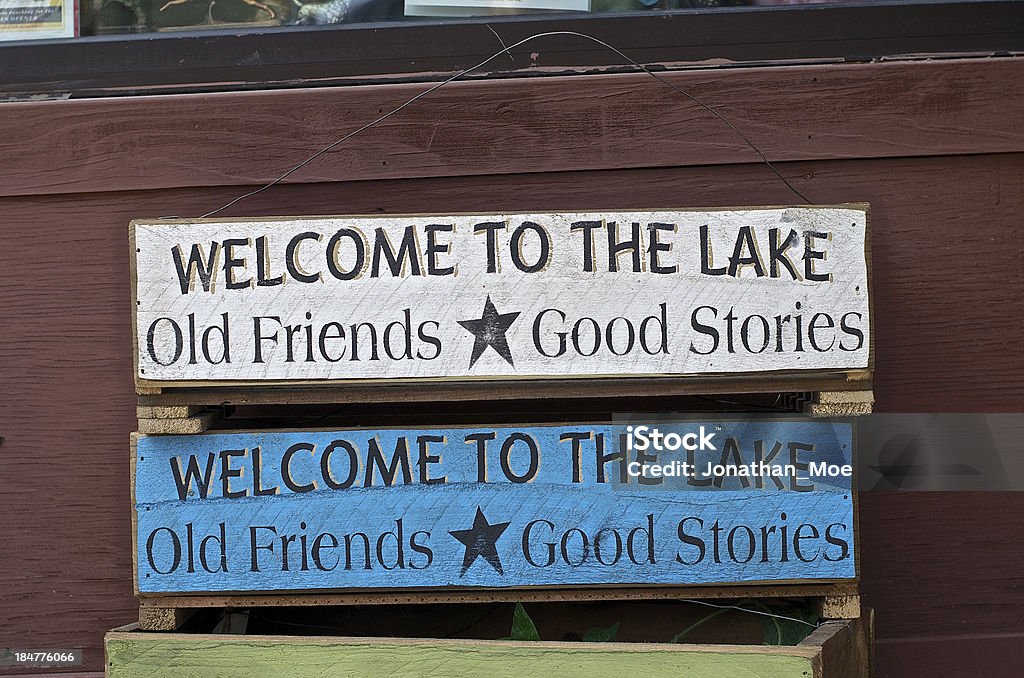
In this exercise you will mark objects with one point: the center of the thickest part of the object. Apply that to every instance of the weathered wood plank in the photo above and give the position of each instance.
(527, 125)
(508, 507)
(460, 297)
(132, 654)
(174, 426)
(162, 618)
(840, 404)
(846, 647)
(991, 654)
(448, 391)
(166, 411)
(839, 607)
(536, 594)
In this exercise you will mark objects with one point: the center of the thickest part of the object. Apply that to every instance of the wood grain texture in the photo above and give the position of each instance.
(513, 126)
(917, 538)
(839, 607)
(535, 595)
(947, 331)
(490, 507)
(846, 648)
(68, 600)
(418, 391)
(156, 655)
(166, 411)
(162, 618)
(196, 423)
(498, 296)
(968, 655)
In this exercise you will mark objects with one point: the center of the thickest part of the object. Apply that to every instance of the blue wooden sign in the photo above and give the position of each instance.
(698, 501)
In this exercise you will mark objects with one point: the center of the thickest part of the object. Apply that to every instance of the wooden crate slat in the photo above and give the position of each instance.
(835, 650)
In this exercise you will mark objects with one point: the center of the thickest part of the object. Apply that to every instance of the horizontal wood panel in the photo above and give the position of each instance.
(496, 296)
(496, 507)
(607, 387)
(157, 655)
(537, 595)
(511, 126)
(963, 656)
(938, 566)
(938, 349)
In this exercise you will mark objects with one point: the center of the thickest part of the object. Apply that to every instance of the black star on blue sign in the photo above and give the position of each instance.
(481, 540)
(490, 330)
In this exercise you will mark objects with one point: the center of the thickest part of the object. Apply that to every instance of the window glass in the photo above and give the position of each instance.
(134, 16)
(33, 19)
(36, 19)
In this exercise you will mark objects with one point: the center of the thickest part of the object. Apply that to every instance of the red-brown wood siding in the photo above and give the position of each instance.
(936, 148)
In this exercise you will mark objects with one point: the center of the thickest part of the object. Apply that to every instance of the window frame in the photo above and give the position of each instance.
(289, 56)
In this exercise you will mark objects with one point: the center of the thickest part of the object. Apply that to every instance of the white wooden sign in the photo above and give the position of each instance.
(501, 295)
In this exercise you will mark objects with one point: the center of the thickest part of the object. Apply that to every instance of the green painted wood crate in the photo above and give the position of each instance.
(838, 649)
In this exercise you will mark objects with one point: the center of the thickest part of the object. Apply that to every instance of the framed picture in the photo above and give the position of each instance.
(37, 19)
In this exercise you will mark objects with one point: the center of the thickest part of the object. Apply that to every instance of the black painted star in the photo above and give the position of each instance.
(490, 330)
(481, 540)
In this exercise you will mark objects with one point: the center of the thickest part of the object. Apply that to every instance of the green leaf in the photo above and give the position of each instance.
(599, 635)
(678, 638)
(523, 627)
(787, 631)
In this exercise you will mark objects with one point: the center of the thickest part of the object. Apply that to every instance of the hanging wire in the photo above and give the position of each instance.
(758, 612)
(508, 50)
